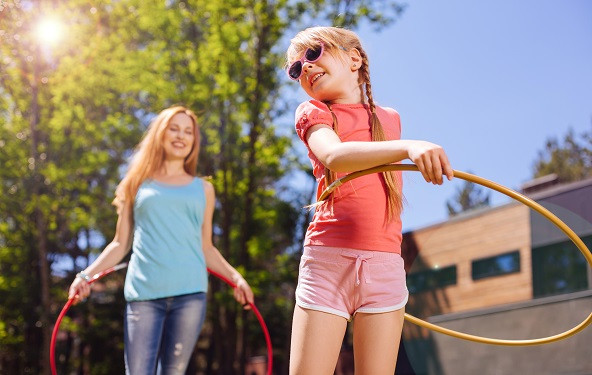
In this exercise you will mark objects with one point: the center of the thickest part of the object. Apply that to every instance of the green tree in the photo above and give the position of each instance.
(67, 121)
(569, 158)
(69, 115)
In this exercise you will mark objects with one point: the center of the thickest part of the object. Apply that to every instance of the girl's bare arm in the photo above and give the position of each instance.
(354, 156)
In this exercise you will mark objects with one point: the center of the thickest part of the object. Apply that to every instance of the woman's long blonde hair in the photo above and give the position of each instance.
(334, 40)
(149, 155)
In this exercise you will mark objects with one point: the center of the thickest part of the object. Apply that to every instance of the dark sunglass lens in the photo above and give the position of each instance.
(312, 54)
(295, 70)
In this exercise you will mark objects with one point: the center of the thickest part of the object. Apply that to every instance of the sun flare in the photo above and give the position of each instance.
(50, 30)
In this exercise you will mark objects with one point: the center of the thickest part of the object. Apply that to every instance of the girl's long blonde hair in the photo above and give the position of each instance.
(149, 155)
(334, 40)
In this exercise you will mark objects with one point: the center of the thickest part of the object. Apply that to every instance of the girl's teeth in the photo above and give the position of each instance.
(316, 77)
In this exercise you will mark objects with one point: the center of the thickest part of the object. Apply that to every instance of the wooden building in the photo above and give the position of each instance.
(503, 272)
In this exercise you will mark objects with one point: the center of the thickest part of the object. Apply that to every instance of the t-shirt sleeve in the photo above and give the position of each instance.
(309, 114)
(397, 121)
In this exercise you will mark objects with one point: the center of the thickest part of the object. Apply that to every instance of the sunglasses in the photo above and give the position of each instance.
(310, 55)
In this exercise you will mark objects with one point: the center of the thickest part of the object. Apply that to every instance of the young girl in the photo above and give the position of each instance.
(351, 265)
(167, 212)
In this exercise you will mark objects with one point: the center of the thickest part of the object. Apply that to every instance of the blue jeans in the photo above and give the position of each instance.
(160, 334)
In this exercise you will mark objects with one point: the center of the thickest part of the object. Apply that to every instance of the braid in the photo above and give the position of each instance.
(391, 179)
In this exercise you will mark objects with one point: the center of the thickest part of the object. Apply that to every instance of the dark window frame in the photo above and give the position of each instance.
(430, 279)
(549, 279)
(484, 268)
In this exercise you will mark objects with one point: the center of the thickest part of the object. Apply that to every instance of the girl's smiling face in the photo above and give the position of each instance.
(333, 77)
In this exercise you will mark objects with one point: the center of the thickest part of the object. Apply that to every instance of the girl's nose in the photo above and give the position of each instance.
(307, 66)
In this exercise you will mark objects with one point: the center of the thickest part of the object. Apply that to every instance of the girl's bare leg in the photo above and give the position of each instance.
(316, 341)
(376, 342)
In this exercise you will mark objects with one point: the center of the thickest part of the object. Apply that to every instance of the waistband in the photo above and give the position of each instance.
(329, 252)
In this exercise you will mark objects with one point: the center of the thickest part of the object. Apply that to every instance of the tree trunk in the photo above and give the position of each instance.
(43, 264)
(46, 326)
(255, 131)
(224, 333)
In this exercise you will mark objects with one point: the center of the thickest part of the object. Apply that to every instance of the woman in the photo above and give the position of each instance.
(165, 217)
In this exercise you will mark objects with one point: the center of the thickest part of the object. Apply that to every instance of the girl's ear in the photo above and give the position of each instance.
(355, 59)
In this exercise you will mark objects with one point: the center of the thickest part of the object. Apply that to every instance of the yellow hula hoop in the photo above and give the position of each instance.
(512, 194)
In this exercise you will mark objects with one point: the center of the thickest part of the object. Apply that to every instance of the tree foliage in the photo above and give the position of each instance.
(569, 158)
(468, 197)
(70, 114)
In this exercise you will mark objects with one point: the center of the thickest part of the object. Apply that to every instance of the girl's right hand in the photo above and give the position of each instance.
(431, 160)
(79, 290)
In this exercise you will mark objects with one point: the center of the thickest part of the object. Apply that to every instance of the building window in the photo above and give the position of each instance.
(495, 266)
(431, 279)
(559, 268)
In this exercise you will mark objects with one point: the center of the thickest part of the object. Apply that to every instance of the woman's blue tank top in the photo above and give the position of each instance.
(167, 258)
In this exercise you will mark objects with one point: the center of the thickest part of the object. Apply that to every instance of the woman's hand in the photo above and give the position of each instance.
(243, 293)
(431, 160)
(79, 290)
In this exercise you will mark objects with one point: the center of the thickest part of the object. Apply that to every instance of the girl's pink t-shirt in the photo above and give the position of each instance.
(356, 218)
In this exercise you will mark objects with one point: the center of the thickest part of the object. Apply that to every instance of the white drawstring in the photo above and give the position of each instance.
(360, 261)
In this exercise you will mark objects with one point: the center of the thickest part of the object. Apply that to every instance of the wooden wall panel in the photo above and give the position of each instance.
(462, 240)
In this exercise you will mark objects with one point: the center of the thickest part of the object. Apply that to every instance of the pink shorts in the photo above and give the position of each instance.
(345, 281)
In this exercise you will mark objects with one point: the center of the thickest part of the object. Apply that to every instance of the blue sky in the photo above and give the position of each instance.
(490, 81)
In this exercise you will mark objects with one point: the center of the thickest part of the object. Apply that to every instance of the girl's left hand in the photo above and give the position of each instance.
(243, 293)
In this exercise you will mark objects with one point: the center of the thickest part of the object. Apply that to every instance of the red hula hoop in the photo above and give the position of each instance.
(123, 265)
